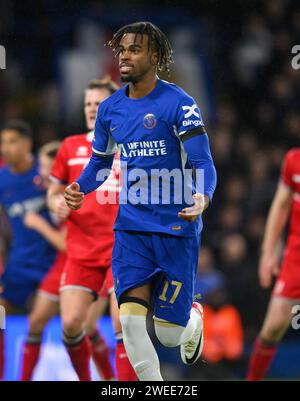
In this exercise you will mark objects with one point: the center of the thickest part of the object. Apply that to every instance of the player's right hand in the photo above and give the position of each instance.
(190, 214)
(73, 196)
(268, 267)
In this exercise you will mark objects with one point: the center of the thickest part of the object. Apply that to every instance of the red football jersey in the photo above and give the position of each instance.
(90, 234)
(290, 176)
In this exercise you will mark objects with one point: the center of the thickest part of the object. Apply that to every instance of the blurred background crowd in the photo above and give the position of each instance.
(235, 59)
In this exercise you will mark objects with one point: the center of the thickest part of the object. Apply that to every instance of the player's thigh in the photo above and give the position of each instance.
(278, 319)
(95, 311)
(74, 304)
(43, 310)
(143, 292)
(115, 312)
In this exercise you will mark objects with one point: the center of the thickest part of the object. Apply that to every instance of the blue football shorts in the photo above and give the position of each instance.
(169, 263)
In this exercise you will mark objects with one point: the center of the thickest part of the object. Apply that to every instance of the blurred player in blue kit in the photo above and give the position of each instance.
(159, 130)
(29, 255)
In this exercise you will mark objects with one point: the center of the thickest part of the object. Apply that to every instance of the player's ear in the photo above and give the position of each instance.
(154, 58)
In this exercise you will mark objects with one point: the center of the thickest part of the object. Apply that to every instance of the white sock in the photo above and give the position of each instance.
(171, 335)
(140, 350)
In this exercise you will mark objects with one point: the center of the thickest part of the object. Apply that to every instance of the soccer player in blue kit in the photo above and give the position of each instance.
(160, 132)
(29, 255)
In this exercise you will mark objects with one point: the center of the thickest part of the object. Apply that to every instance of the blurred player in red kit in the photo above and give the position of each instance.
(286, 293)
(90, 240)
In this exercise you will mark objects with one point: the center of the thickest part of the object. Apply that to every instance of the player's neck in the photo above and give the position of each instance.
(22, 165)
(142, 88)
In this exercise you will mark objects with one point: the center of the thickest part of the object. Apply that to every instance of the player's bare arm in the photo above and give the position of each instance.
(57, 238)
(276, 221)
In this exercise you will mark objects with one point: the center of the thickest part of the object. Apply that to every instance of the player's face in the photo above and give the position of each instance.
(14, 147)
(92, 99)
(136, 60)
(45, 166)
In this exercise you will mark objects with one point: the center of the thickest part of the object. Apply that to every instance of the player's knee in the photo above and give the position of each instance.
(37, 323)
(271, 335)
(90, 328)
(133, 312)
(72, 324)
(168, 333)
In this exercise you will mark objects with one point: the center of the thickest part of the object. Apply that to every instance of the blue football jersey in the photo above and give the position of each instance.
(158, 179)
(29, 255)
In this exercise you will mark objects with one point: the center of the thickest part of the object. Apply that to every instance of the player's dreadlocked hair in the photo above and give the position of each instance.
(157, 40)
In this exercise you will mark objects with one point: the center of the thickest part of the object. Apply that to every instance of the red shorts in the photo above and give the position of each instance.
(49, 287)
(108, 286)
(288, 282)
(86, 278)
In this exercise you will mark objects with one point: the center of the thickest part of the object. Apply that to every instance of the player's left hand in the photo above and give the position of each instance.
(190, 214)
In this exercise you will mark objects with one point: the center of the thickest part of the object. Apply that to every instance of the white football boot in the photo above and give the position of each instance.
(192, 349)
